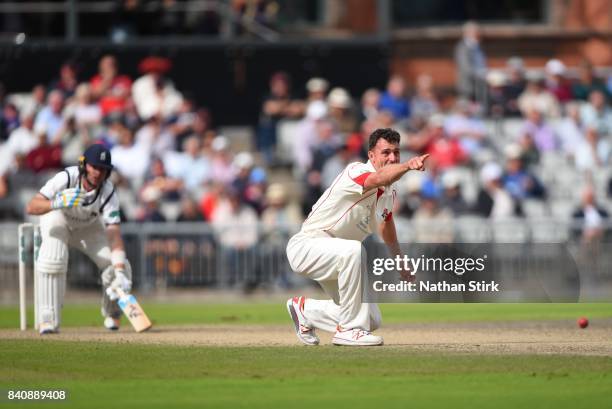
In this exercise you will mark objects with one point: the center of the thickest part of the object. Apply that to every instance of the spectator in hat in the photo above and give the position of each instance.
(306, 136)
(452, 198)
(493, 201)
(279, 214)
(317, 90)
(222, 169)
(556, 81)
(154, 93)
(341, 111)
(498, 98)
(536, 96)
(149, 211)
(250, 181)
(410, 196)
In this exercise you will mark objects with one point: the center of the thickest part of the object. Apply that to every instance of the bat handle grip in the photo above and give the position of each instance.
(119, 292)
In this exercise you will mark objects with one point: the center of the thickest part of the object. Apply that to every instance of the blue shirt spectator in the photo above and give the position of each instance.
(394, 99)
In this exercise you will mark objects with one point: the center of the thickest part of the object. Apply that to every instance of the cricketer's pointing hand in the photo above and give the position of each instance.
(418, 162)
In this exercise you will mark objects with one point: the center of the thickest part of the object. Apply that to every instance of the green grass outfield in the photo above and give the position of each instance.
(127, 375)
(275, 313)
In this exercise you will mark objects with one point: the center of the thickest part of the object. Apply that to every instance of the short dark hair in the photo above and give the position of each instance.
(387, 134)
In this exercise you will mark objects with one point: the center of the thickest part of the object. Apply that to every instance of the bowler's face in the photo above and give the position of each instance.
(384, 153)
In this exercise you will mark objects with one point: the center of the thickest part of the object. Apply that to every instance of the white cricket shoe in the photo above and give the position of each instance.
(356, 337)
(111, 323)
(304, 332)
(47, 328)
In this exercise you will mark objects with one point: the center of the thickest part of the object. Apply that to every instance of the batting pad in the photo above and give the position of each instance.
(51, 289)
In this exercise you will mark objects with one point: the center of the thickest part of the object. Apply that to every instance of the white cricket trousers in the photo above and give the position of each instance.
(52, 263)
(336, 265)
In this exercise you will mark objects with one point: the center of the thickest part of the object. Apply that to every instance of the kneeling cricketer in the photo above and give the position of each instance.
(328, 247)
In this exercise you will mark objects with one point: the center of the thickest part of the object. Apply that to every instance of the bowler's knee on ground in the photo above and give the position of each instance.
(336, 264)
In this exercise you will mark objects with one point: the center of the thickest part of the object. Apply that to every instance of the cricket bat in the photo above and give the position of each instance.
(133, 311)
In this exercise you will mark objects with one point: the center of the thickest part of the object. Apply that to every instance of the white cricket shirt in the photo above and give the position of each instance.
(103, 204)
(346, 211)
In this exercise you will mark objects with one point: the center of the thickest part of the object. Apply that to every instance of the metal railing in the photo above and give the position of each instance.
(71, 9)
(192, 254)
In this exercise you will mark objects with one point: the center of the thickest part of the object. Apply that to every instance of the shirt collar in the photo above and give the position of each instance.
(369, 165)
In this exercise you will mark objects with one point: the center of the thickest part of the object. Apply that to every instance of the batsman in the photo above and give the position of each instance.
(79, 208)
(328, 247)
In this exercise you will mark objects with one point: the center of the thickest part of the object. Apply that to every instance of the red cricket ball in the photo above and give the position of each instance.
(583, 322)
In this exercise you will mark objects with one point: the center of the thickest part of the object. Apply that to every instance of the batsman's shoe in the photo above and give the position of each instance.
(47, 328)
(112, 323)
(304, 332)
(356, 337)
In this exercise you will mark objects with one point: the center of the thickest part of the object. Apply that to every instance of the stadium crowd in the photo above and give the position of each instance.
(532, 138)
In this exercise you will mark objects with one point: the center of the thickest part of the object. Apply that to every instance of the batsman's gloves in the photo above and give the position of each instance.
(120, 281)
(68, 198)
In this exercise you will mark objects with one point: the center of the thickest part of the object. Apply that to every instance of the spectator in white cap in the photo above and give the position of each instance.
(340, 107)
(556, 81)
(279, 213)
(222, 170)
(452, 198)
(306, 136)
(493, 201)
(317, 89)
(498, 98)
(538, 97)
